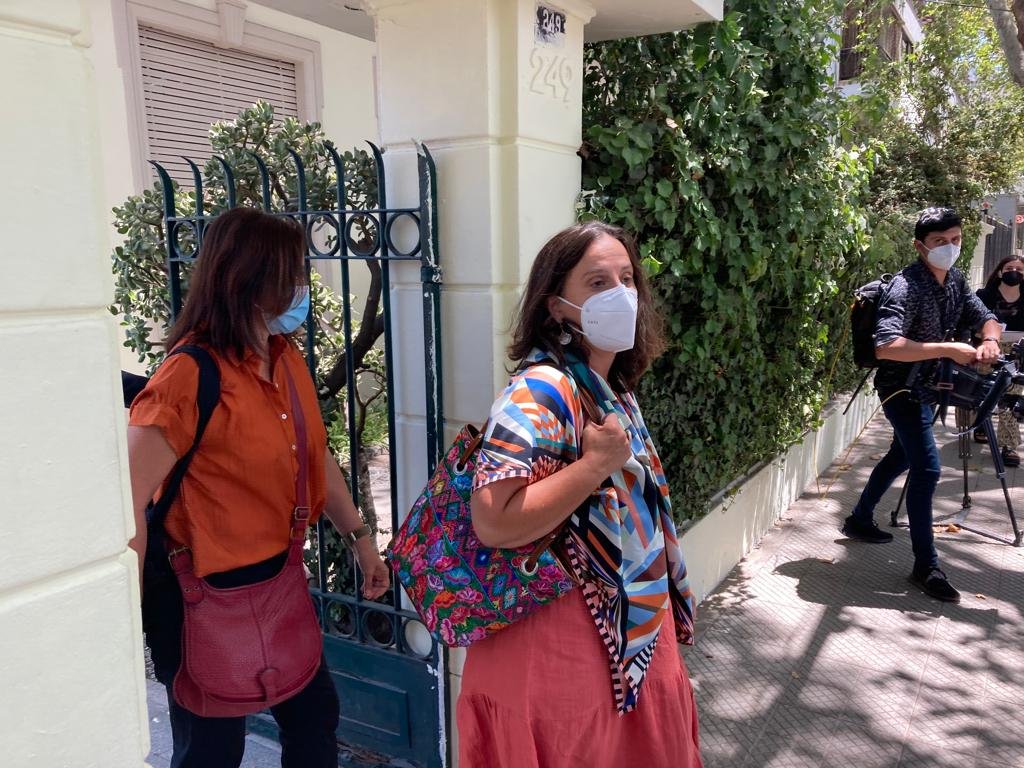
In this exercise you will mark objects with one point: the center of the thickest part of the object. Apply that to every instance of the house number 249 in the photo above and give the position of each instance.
(552, 74)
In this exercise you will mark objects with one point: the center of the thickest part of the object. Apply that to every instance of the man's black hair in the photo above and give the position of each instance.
(935, 220)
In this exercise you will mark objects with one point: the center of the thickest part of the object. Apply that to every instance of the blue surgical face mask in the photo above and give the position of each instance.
(293, 317)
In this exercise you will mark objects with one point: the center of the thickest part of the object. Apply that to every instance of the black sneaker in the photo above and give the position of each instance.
(934, 583)
(868, 532)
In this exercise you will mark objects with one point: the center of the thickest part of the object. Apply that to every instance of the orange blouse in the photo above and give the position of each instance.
(236, 501)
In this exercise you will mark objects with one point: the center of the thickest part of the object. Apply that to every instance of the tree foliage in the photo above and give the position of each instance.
(718, 148)
(949, 116)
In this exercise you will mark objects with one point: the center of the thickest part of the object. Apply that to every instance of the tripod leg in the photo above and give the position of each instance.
(894, 516)
(997, 461)
(964, 418)
(966, 503)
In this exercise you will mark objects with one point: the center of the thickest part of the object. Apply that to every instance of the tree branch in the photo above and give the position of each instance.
(1008, 26)
(1018, 14)
(369, 332)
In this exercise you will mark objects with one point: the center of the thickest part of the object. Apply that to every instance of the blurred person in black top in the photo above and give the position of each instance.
(921, 308)
(1002, 295)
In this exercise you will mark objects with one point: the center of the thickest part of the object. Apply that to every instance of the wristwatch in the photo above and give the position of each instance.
(350, 538)
(991, 338)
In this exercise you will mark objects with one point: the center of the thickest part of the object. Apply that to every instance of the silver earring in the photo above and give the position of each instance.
(564, 338)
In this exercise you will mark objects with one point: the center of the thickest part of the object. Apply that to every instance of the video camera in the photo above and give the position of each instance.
(965, 387)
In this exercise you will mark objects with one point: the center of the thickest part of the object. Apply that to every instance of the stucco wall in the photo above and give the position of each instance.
(71, 664)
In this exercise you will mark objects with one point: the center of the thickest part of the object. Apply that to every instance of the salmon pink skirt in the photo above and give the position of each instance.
(539, 695)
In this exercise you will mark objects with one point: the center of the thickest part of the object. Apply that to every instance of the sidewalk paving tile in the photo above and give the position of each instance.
(818, 651)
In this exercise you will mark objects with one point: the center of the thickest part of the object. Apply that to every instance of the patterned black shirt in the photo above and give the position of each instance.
(916, 307)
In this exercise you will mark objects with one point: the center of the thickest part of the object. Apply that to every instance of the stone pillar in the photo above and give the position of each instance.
(497, 98)
(499, 106)
(71, 663)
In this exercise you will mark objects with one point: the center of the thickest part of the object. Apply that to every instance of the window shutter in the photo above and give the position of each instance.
(189, 84)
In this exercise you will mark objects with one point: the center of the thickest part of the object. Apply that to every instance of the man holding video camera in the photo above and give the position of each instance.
(921, 308)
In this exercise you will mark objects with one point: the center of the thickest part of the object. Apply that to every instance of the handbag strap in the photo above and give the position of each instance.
(207, 397)
(300, 517)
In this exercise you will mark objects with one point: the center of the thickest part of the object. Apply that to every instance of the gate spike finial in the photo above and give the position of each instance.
(197, 180)
(264, 180)
(378, 156)
(300, 171)
(168, 188)
(339, 170)
(229, 180)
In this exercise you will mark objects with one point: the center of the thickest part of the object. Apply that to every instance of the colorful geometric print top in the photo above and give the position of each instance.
(628, 558)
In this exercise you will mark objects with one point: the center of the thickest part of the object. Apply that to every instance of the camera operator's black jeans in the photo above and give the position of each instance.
(913, 447)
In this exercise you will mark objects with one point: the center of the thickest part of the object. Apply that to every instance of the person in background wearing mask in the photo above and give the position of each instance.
(917, 315)
(1002, 295)
(593, 678)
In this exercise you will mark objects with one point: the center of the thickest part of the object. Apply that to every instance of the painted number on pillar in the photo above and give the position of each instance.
(550, 28)
(552, 74)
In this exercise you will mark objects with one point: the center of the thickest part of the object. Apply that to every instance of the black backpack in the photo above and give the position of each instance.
(863, 315)
(161, 596)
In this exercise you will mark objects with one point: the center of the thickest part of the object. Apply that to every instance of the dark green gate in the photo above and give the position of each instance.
(390, 673)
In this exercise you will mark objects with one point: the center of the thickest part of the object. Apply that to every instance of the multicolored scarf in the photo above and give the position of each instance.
(631, 566)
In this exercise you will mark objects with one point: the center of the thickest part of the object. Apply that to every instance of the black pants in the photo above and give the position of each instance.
(307, 721)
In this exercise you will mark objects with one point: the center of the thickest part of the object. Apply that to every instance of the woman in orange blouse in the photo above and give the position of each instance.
(234, 507)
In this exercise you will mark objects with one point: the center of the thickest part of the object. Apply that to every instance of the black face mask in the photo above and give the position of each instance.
(1012, 277)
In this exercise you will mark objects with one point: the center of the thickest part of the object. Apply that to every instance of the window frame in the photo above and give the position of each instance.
(187, 20)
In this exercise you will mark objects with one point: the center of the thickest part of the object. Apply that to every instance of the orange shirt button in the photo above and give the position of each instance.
(284, 416)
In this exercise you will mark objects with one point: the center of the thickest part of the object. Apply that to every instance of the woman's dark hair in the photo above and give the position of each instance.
(993, 279)
(534, 326)
(935, 220)
(250, 262)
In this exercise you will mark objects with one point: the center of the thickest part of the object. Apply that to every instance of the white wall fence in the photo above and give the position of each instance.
(717, 542)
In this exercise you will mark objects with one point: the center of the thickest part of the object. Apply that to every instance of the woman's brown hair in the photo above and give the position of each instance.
(534, 326)
(250, 262)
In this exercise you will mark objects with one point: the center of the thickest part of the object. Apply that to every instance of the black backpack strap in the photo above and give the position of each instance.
(207, 397)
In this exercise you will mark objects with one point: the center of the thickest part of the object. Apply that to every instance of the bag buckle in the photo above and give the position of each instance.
(177, 551)
(300, 518)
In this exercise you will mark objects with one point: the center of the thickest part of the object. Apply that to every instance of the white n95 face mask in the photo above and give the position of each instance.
(609, 318)
(944, 256)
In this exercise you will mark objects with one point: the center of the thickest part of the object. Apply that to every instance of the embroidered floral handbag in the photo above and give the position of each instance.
(463, 590)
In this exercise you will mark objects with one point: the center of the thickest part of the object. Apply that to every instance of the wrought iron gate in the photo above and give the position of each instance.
(998, 244)
(389, 672)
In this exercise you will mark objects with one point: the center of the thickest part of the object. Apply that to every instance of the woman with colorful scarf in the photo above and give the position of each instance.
(593, 679)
